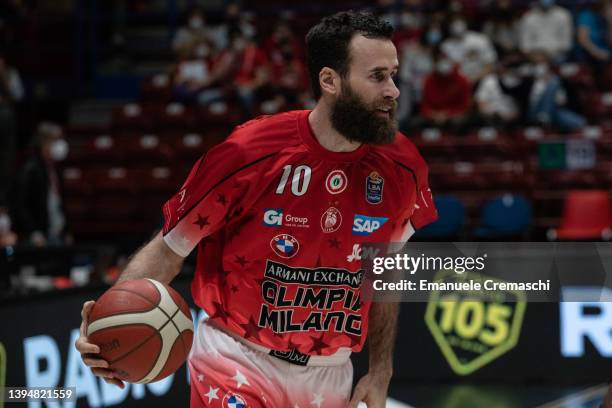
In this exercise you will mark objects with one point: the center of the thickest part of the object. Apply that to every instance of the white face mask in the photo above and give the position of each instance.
(444, 67)
(540, 70)
(5, 223)
(196, 23)
(458, 28)
(59, 150)
(202, 51)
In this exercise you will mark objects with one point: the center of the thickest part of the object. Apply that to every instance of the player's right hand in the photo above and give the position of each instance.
(90, 351)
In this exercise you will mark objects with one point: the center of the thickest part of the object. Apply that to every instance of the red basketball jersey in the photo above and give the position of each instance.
(279, 221)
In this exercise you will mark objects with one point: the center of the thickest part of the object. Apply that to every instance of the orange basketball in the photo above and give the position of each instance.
(143, 328)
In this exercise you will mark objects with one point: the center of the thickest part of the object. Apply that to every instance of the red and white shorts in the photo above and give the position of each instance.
(230, 372)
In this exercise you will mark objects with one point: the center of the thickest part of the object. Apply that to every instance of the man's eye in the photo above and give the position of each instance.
(378, 76)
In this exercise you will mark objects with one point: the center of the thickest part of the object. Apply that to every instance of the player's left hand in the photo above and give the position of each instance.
(371, 389)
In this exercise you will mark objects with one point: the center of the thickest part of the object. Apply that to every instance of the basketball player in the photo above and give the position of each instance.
(279, 213)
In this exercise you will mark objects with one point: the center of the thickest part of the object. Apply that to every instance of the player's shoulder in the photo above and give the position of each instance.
(402, 152)
(267, 133)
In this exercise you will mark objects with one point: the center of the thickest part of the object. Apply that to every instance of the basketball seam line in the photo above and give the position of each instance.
(147, 339)
(170, 319)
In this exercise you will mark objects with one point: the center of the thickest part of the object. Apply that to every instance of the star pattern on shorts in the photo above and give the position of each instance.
(240, 379)
(220, 312)
(221, 199)
(202, 221)
(318, 344)
(251, 329)
(200, 377)
(212, 394)
(241, 260)
(318, 400)
(334, 243)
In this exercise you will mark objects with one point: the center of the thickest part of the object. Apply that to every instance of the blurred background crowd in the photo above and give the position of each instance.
(105, 105)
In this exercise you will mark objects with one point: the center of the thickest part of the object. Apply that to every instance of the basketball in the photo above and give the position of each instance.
(143, 328)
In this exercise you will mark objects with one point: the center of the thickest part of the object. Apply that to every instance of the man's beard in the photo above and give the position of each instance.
(358, 121)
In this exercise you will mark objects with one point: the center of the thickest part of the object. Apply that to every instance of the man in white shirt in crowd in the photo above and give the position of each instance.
(471, 50)
(547, 28)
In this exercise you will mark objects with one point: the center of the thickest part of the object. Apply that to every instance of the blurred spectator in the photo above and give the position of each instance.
(7, 236)
(495, 107)
(594, 32)
(235, 20)
(289, 76)
(473, 51)
(195, 33)
(446, 95)
(11, 92)
(192, 76)
(37, 205)
(502, 28)
(415, 64)
(548, 99)
(252, 72)
(282, 39)
(547, 28)
(434, 31)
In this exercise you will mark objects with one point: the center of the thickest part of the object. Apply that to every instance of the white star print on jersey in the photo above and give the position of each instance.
(318, 400)
(240, 379)
(212, 394)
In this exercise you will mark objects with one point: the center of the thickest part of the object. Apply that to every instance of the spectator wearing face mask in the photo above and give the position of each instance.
(494, 106)
(502, 27)
(446, 95)
(471, 50)
(548, 99)
(193, 34)
(547, 28)
(594, 32)
(37, 207)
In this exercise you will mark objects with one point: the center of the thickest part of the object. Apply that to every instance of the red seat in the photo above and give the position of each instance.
(157, 88)
(586, 215)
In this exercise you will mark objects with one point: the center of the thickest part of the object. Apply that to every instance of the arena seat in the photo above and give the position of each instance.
(586, 215)
(506, 217)
(451, 219)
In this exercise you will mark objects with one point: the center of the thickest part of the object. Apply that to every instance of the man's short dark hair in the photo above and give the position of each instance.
(327, 43)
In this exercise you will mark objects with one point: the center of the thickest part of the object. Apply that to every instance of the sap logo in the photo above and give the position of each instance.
(582, 320)
(364, 225)
(273, 217)
(360, 253)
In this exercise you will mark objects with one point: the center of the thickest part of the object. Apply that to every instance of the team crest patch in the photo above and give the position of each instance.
(374, 188)
(233, 401)
(336, 182)
(331, 220)
(285, 246)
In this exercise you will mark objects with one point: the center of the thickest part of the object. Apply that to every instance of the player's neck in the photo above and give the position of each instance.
(328, 137)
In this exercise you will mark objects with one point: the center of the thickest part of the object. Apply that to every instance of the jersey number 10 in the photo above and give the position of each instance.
(299, 181)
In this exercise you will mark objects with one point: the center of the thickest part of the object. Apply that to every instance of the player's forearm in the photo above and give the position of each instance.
(155, 260)
(381, 337)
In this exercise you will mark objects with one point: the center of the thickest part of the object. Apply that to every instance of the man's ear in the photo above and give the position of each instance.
(329, 80)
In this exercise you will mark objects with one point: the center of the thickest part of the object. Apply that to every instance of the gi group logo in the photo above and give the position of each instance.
(473, 330)
(285, 246)
(274, 217)
(234, 401)
(364, 225)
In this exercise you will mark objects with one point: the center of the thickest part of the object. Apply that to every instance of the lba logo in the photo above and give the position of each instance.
(364, 225)
(273, 217)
